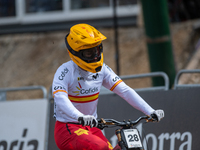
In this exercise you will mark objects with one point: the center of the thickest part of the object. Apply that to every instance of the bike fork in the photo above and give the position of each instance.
(120, 142)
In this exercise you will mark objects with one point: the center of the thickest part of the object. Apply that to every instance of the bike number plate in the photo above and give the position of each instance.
(132, 138)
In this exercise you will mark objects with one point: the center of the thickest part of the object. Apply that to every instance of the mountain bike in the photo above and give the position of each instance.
(128, 136)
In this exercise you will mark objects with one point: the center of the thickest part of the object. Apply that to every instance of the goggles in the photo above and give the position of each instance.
(91, 53)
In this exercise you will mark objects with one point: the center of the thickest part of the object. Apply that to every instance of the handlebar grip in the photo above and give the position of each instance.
(94, 123)
(154, 117)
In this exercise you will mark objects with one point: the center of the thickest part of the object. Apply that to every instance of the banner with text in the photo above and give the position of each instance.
(23, 124)
(179, 130)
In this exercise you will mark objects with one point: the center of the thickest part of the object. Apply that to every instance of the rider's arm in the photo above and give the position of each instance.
(133, 98)
(63, 109)
(114, 83)
(66, 108)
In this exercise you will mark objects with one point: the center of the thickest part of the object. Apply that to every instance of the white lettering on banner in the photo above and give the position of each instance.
(158, 142)
(175, 136)
(20, 144)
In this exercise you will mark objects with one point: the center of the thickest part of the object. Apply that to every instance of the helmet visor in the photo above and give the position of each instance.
(91, 53)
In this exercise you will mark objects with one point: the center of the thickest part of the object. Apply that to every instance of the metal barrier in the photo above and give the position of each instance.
(3, 91)
(152, 74)
(23, 119)
(179, 86)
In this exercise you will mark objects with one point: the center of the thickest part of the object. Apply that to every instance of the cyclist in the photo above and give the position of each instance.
(76, 87)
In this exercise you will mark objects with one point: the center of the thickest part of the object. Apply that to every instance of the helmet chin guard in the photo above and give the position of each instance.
(84, 44)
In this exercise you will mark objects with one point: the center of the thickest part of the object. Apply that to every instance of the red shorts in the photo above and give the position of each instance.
(77, 137)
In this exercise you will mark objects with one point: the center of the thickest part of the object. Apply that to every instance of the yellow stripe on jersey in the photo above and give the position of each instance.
(113, 87)
(83, 99)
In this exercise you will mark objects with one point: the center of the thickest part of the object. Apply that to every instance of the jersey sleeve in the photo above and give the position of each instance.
(133, 98)
(114, 83)
(63, 105)
(110, 80)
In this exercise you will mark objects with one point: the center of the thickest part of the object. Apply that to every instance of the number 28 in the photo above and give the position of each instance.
(133, 137)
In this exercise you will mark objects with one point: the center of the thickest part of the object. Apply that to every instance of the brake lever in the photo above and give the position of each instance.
(101, 126)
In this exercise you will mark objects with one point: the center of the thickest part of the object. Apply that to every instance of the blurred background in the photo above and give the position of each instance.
(32, 38)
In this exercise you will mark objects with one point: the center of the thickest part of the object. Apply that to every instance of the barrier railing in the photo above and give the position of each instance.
(181, 72)
(152, 74)
(3, 91)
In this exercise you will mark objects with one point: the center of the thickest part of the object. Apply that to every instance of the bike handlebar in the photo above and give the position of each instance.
(105, 123)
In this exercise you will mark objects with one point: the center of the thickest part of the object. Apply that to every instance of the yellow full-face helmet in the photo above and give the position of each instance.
(84, 44)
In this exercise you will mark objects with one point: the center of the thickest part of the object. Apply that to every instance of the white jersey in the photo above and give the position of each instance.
(76, 92)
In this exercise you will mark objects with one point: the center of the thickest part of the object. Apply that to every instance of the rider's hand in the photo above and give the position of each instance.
(158, 115)
(88, 120)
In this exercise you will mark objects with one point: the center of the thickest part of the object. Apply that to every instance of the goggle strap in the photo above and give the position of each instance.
(70, 49)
